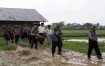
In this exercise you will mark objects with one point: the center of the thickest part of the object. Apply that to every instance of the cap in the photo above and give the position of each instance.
(93, 27)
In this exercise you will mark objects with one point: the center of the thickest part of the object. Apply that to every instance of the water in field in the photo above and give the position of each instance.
(85, 40)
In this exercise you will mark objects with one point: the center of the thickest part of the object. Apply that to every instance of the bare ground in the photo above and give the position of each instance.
(43, 57)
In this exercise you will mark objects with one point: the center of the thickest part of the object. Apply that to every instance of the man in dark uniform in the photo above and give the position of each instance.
(55, 41)
(29, 34)
(60, 33)
(11, 32)
(93, 44)
(35, 37)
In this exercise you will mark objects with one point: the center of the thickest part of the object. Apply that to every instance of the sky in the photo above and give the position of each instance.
(69, 11)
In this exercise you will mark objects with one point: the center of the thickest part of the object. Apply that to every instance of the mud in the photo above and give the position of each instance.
(43, 57)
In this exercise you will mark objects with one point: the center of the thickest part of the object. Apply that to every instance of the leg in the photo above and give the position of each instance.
(90, 50)
(12, 38)
(59, 47)
(32, 43)
(16, 40)
(48, 39)
(53, 47)
(36, 43)
(97, 50)
(41, 39)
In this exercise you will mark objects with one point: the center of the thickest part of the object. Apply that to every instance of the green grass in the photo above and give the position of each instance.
(3, 45)
(81, 31)
(11, 46)
(80, 47)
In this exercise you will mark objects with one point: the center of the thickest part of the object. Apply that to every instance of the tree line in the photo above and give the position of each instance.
(85, 26)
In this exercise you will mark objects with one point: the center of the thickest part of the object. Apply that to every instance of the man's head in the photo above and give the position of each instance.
(49, 26)
(42, 24)
(58, 27)
(93, 28)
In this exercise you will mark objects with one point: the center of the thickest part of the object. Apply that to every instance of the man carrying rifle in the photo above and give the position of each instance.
(93, 43)
(55, 41)
(35, 37)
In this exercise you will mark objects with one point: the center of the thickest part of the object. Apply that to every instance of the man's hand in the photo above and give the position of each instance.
(94, 39)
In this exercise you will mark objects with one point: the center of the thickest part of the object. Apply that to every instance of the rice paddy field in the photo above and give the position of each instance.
(81, 31)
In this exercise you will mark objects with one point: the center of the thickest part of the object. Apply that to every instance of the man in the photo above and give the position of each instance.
(25, 29)
(55, 41)
(41, 30)
(35, 37)
(11, 32)
(93, 44)
(16, 35)
(60, 33)
(29, 34)
(49, 32)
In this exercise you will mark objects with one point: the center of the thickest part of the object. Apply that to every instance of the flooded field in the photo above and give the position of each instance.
(86, 40)
(31, 57)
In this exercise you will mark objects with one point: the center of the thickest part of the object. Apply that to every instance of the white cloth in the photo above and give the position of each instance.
(41, 29)
(49, 32)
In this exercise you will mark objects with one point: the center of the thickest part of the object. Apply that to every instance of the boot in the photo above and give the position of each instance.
(99, 57)
(52, 54)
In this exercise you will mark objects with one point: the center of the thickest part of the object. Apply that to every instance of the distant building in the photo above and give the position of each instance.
(75, 25)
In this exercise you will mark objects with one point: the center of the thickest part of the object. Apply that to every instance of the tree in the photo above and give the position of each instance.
(87, 25)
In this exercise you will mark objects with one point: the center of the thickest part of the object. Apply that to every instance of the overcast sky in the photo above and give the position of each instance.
(69, 11)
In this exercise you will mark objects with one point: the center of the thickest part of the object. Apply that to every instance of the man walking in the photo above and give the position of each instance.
(49, 33)
(93, 44)
(41, 30)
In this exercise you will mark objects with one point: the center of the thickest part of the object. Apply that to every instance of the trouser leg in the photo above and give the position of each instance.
(12, 37)
(36, 43)
(97, 50)
(61, 42)
(59, 47)
(29, 39)
(32, 43)
(49, 39)
(41, 39)
(53, 46)
(91, 46)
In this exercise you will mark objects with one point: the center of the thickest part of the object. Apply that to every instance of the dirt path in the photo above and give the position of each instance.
(31, 57)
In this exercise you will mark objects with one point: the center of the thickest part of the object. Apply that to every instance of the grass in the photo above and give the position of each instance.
(80, 46)
(11, 46)
(81, 31)
(3, 45)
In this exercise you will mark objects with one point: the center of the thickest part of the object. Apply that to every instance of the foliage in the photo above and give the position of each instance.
(85, 26)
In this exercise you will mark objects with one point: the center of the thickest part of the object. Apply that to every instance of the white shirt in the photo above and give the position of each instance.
(41, 29)
(48, 31)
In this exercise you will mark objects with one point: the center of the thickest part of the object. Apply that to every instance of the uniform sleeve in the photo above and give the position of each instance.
(90, 36)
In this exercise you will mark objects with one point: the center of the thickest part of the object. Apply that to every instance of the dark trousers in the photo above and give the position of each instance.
(41, 40)
(54, 44)
(30, 39)
(61, 42)
(93, 45)
(34, 42)
(11, 36)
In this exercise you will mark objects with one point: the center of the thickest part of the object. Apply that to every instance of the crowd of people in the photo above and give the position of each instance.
(37, 34)
(34, 34)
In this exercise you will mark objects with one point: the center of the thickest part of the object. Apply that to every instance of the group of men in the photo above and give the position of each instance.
(37, 34)
(34, 34)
